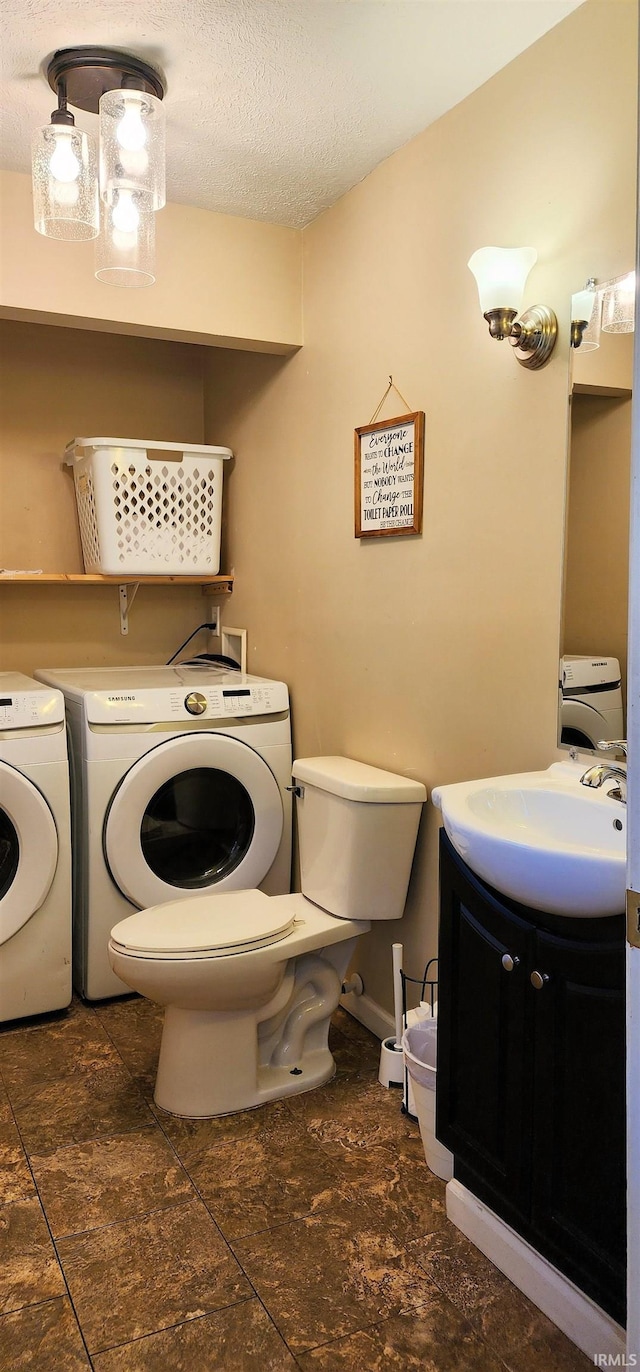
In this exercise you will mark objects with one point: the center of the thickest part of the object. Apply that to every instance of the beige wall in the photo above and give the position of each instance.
(597, 563)
(435, 656)
(57, 384)
(221, 280)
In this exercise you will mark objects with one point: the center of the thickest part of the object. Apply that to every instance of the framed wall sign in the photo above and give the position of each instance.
(389, 459)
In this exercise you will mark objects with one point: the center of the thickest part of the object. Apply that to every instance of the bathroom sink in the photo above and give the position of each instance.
(541, 838)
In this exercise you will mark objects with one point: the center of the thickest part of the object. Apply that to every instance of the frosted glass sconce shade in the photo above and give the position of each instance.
(132, 147)
(501, 274)
(586, 312)
(125, 250)
(65, 182)
(618, 305)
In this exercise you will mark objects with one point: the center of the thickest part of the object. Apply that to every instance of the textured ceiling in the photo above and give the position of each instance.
(275, 108)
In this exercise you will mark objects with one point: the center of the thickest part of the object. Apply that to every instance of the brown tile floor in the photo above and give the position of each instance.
(307, 1234)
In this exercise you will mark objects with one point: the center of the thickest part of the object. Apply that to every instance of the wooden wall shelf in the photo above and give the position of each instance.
(222, 585)
(127, 585)
(614, 392)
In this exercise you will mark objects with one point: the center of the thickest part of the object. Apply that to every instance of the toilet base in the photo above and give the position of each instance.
(215, 1062)
(216, 1059)
(209, 1065)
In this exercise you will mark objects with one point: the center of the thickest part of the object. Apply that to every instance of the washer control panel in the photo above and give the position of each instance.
(235, 696)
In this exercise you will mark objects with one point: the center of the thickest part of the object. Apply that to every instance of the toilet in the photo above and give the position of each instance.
(250, 981)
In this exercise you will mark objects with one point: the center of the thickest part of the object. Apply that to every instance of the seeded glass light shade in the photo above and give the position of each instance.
(65, 183)
(501, 274)
(132, 147)
(618, 305)
(587, 305)
(125, 250)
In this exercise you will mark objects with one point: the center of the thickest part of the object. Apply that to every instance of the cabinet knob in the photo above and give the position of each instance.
(508, 962)
(538, 980)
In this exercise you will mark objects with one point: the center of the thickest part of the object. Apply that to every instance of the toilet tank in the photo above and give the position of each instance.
(357, 828)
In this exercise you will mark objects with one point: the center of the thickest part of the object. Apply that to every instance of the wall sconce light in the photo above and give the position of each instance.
(618, 304)
(586, 315)
(501, 274)
(130, 180)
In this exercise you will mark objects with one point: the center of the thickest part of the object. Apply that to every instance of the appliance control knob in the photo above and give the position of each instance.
(195, 703)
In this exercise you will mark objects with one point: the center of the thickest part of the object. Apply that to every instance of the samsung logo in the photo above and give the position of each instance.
(120, 698)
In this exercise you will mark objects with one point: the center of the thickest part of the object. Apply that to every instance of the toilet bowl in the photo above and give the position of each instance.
(250, 981)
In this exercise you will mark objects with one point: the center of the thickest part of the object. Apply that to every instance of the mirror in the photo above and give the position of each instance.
(593, 662)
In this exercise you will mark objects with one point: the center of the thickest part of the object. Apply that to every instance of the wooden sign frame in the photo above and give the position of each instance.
(389, 464)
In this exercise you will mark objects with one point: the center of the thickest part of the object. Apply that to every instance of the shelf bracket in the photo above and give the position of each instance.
(127, 592)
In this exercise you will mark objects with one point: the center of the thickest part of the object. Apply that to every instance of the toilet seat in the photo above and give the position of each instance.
(205, 927)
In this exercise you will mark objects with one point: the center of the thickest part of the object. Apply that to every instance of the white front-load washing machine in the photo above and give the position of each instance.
(35, 850)
(179, 786)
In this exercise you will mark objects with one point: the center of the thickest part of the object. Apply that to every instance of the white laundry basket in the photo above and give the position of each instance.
(419, 1047)
(148, 507)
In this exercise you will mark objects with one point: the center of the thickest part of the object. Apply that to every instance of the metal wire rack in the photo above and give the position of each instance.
(428, 984)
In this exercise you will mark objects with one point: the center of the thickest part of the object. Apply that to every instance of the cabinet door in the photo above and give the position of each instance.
(578, 1182)
(484, 1049)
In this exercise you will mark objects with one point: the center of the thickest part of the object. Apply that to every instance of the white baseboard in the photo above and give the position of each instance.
(574, 1313)
(369, 1013)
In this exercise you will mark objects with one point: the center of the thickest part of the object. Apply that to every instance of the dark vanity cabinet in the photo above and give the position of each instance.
(531, 1073)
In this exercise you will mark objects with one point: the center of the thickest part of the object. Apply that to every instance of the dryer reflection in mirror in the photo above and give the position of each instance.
(35, 852)
(250, 981)
(590, 700)
(167, 803)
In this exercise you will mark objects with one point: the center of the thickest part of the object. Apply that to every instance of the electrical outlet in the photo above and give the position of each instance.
(214, 618)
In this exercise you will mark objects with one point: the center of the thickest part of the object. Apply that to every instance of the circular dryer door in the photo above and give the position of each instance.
(202, 811)
(28, 850)
(582, 725)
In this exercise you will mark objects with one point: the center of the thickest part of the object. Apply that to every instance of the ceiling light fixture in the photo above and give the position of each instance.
(125, 250)
(501, 274)
(68, 180)
(65, 179)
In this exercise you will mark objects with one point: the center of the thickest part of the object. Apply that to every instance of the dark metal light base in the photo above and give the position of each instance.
(82, 75)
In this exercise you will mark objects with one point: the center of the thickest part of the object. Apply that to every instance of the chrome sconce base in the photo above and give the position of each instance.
(532, 335)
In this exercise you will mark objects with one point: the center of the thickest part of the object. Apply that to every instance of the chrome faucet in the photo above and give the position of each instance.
(603, 771)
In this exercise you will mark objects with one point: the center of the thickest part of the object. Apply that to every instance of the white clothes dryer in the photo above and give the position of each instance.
(179, 786)
(35, 850)
(590, 700)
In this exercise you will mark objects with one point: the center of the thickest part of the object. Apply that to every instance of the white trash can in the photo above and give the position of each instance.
(419, 1047)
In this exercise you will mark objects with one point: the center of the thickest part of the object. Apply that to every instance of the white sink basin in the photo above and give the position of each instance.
(542, 838)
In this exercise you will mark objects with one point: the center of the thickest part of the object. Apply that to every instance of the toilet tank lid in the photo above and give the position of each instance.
(342, 776)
